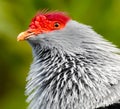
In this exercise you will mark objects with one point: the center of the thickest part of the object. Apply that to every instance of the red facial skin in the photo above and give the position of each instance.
(43, 23)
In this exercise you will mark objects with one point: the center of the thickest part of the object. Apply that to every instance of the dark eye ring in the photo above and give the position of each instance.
(56, 25)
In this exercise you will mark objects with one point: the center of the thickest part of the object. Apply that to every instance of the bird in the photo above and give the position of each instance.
(73, 66)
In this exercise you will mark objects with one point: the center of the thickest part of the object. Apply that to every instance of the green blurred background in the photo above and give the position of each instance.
(16, 57)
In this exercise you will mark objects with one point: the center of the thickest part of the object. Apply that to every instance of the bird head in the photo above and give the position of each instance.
(55, 29)
(45, 27)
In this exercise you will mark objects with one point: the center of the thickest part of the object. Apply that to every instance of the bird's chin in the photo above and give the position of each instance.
(32, 43)
(34, 40)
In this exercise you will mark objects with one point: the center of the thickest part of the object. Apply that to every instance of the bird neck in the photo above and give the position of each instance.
(57, 77)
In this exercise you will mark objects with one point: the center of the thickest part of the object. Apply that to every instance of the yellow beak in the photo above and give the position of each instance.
(24, 35)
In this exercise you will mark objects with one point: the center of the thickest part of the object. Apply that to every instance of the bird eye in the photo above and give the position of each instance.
(56, 25)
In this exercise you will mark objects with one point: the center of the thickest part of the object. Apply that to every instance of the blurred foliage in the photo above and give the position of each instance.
(15, 58)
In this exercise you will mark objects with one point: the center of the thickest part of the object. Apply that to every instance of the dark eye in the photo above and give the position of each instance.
(56, 25)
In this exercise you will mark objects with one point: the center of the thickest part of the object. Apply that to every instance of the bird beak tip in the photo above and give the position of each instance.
(23, 35)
